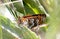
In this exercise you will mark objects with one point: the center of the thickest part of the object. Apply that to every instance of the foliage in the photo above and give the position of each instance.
(9, 29)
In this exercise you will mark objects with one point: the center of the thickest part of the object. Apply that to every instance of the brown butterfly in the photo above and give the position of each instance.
(32, 21)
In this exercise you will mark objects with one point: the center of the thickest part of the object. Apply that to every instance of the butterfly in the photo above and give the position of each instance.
(32, 21)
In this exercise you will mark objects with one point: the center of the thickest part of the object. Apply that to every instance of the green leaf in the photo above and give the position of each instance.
(34, 6)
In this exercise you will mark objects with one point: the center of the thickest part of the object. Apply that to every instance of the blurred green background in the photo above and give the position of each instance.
(11, 9)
